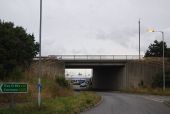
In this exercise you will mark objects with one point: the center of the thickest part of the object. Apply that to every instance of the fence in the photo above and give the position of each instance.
(93, 57)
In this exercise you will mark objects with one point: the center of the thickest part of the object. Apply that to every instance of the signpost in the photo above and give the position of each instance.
(13, 87)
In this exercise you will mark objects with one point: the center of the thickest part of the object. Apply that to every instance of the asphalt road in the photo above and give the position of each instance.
(121, 103)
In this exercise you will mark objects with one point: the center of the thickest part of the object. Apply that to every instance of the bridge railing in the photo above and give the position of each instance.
(94, 57)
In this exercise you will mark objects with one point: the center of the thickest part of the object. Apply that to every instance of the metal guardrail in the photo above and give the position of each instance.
(91, 57)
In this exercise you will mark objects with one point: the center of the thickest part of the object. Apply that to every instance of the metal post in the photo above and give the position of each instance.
(12, 104)
(139, 39)
(39, 77)
(163, 60)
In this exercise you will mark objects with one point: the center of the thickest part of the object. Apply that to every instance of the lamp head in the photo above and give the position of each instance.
(151, 30)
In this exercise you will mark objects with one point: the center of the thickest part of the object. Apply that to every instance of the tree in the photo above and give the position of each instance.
(158, 80)
(168, 53)
(17, 48)
(156, 49)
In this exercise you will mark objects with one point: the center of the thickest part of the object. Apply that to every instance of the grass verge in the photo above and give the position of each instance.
(152, 91)
(60, 105)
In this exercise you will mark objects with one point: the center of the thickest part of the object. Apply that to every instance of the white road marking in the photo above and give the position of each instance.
(157, 98)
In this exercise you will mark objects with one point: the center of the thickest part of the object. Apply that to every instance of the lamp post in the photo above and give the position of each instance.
(40, 69)
(163, 57)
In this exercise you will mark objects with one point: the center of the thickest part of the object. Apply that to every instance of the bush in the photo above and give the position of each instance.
(158, 79)
(62, 81)
(168, 59)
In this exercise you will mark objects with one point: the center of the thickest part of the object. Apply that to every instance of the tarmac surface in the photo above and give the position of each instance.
(122, 103)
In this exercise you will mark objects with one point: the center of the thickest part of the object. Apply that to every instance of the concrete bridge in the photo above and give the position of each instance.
(111, 72)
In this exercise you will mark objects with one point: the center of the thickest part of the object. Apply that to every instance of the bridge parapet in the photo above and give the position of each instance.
(92, 57)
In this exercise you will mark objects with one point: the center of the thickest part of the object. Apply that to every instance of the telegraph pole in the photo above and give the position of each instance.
(139, 39)
(163, 61)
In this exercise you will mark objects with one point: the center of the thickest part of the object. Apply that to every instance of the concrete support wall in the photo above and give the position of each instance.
(108, 78)
(50, 68)
(138, 73)
(134, 74)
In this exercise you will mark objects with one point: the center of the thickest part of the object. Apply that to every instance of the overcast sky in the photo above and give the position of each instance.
(91, 26)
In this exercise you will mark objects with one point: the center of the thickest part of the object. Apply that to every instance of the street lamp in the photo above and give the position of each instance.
(163, 65)
(40, 68)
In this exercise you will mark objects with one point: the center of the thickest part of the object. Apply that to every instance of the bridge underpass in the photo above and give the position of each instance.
(108, 78)
(106, 75)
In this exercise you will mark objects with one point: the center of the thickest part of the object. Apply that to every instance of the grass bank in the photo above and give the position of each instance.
(57, 94)
(152, 91)
(59, 105)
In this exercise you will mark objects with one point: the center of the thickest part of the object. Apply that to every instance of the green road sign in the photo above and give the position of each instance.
(13, 87)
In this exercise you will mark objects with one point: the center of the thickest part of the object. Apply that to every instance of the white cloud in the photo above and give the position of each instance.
(90, 26)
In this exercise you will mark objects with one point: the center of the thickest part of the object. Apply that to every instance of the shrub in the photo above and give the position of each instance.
(61, 81)
(158, 79)
(168, 59)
